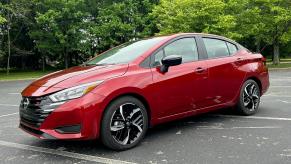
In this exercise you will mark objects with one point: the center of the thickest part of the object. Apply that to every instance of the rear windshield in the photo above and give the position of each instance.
(125, 53)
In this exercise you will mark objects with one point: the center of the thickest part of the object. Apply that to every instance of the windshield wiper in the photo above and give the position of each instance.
(104, 64)
(101, 64)
(87, 64)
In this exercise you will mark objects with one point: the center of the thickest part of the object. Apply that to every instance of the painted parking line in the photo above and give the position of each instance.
(254, 117)
(280, 77)
(283, 101)
(285, 79)
(234, 128)
(8, 114)
(280, 86)
(14, 93)
(63, 153)
(271, 95)
(9, 105)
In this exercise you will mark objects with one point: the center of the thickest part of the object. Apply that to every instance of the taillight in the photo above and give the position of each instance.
(264, 60)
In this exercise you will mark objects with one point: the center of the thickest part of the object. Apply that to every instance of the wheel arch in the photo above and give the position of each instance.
(135, 95)
(257, 80)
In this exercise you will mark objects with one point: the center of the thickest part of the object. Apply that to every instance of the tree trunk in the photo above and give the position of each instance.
(43, 63)
(9, 53)
(258, 47)
(70, 60)
(76, 59)
(23, 61)
(276, 57)
(66, 59)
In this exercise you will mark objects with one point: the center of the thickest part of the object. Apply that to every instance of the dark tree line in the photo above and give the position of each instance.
(37, 34)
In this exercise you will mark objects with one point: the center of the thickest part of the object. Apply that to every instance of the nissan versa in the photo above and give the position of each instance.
(118, 94)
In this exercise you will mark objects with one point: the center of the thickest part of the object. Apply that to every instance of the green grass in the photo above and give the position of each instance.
(19, 75)
(282, 60)
(281, 65)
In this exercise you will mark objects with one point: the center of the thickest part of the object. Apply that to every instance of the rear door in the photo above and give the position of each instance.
(181, 88)
(224, 76)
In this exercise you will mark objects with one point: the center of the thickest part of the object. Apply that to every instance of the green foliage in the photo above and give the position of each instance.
(59, 26)
(208, 16)
(260, 21)
(121, 22)
(2, 20)
(77, 27)
(67, 32)
(271, 21)
(20, 75)
(267, 20)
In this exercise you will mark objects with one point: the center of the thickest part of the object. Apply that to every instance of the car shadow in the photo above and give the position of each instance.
(153, 136)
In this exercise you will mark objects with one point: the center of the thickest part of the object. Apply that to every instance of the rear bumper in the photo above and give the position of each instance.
(76, 119)
(264, 78)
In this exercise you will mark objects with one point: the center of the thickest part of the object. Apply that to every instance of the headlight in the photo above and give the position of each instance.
(74, 92)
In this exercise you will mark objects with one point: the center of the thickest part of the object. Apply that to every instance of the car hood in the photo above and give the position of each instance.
(72, 77)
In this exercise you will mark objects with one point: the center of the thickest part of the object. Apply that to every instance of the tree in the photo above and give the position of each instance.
(267, 21)
(67, 32)
(59, 27)
(2, 16)
(278, 24)
(121, 21)
(2, 20)
(208, 16)
(11, 12)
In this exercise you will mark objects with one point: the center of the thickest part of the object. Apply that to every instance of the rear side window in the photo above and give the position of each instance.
(185, 47)
(215, 47)
(232, 48)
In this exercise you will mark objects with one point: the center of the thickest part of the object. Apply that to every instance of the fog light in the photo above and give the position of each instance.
(69, 129)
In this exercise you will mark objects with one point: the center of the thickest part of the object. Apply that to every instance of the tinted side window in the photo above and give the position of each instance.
(215, 47)
(232, 48)
(186, 48)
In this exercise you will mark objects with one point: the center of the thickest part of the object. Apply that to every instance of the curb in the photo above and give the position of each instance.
(18, 79)
(279, 69)
(270, 69)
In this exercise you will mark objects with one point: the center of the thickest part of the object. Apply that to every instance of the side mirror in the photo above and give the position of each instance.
(168, 61)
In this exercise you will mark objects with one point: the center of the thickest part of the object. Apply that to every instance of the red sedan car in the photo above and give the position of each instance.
(117, 95)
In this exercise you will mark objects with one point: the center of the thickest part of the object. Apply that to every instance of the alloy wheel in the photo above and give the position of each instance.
(251, 97)
(127, 123)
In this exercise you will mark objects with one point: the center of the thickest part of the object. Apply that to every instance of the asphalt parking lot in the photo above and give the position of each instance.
(219, 137)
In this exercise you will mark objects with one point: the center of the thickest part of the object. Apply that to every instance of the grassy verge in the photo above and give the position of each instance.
(19, 75)
(282, 60)
(281, 65)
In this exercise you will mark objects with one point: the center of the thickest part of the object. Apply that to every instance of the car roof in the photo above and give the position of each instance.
(183, 34)
(171, 36)
(204, 35)
(201, 34)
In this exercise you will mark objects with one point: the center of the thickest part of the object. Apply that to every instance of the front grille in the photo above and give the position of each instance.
(34, 110)
(34, 131)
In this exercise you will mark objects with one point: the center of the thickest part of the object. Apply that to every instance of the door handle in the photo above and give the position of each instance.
(239, 60)
(199, 70)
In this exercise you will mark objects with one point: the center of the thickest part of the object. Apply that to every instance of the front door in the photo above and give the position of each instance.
(183, 87)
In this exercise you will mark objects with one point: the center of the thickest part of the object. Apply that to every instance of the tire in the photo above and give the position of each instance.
(133, 122)
(249, 99)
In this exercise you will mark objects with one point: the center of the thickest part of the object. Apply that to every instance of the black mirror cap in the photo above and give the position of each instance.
(172, 60)
(168, 61)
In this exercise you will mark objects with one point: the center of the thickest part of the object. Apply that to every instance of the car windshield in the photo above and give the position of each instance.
(125, 53)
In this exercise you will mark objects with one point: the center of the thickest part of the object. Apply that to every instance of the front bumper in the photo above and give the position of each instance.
(76, 119)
